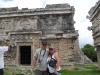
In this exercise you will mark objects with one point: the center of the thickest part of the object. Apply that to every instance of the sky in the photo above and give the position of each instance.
(81, 11)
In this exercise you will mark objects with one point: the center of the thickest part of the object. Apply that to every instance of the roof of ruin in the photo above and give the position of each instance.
(49, 9)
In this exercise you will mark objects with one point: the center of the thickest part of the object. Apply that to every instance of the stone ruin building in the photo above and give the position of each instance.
(94, 17)
(25, 28)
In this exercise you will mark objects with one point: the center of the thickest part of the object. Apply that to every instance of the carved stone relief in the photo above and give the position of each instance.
(67, 22)
(15, 24)
(26, 37)
(24, 24)
(50, 23)
(5, 24)
(20, 38)
(51, 20)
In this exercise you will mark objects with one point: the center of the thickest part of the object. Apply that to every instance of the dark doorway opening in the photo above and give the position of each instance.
(25, 55)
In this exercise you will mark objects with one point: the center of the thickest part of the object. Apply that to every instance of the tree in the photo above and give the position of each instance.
(90, 52)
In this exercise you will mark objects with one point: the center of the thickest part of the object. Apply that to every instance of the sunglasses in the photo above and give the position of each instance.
(44, 44)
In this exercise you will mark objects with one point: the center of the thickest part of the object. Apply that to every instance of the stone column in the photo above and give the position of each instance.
(98, 56)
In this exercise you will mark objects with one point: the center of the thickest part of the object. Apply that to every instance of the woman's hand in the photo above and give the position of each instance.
(31, 69)
(3, 40)
(55, 71)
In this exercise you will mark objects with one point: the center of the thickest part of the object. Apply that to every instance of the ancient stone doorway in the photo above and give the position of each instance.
(25, 55)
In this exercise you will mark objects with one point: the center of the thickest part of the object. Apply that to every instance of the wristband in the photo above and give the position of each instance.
(4, 41)
(56, 69)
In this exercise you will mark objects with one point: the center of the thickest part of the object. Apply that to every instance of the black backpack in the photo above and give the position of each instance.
(52, 62)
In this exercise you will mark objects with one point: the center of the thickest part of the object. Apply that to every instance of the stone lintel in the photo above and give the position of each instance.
(61, 36)
(34, 32)
(58, 37)
(34, 13)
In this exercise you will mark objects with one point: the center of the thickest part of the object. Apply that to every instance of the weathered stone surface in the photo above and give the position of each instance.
(58, 6)
(27, 27)
(94, 16)
(8, 9)
(98, 56)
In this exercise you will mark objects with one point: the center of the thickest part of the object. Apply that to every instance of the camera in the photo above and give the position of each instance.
(39, 61)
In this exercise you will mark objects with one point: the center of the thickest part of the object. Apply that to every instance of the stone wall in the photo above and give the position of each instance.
(94, 17)
(98, 56)
(65, 48)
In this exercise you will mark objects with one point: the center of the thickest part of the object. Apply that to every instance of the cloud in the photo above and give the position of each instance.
(85, 36)
(85, 39)
(22, 4)
(7, 0)
(83, 20)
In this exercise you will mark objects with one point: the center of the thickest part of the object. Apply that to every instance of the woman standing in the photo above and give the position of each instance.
(55, 56)
(2, 50)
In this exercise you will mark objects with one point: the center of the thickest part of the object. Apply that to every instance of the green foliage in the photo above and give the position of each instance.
(90, 52)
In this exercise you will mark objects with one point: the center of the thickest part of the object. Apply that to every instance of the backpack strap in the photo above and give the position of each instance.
(51, 56)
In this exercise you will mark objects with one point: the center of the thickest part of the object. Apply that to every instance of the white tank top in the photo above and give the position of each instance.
(2, 50)
(51, 69)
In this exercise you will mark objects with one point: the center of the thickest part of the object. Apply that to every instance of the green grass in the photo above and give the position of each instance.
(93, 66)
(92, 72)
(89, 69)
(16, 72)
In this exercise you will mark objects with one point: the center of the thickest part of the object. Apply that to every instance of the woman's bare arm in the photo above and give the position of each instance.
(56, 55)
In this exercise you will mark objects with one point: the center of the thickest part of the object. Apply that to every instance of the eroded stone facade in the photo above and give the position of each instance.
(27, 27)
(94, 16)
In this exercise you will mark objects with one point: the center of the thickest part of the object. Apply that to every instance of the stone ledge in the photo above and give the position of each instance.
(33, 13)
(49, 9)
